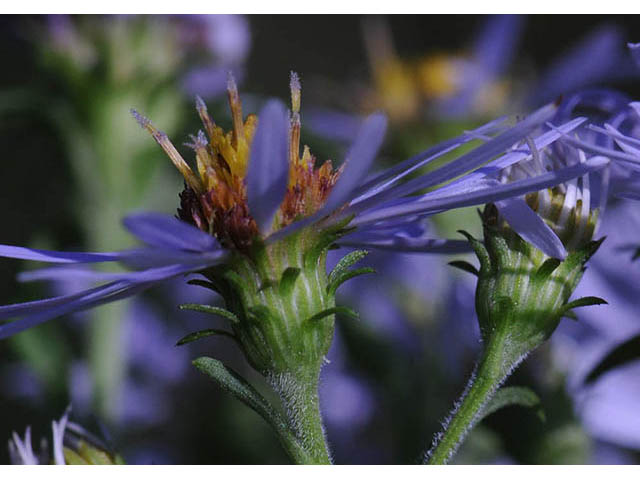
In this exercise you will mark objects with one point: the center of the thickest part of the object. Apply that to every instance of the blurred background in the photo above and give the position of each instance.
(74, 162)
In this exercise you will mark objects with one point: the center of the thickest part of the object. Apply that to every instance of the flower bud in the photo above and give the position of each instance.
(523, 293)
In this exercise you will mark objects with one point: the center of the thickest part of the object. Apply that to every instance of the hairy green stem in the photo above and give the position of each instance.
(302, 408)
(489, 373)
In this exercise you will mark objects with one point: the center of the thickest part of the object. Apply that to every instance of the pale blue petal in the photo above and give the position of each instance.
(629, 195)
(463, 164)
(597, 150)
(165, 231)
(150, 259)
(399, 243)
(410, 234)
(358, 162)
(22, 253)
(531, 227)
(494, 192)
(144, 258)
(268, 169)
(471, 180)
(37, 312)
(9, 311)
(401, 170)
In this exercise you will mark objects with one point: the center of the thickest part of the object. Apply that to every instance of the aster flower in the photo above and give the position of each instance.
(257, 218)
(575, 69)
(288, 194)
(524, 291)
(72, 445)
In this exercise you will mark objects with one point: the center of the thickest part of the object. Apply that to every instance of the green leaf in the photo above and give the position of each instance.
(193, 336)
(347, 261)
(570, 314)
(232, 382)
(465, 267)
(347, 275)
(624, 353)
(237, 386)
(508, 396)
(211, 310)
(335, 310)
(584, 302)
(288, 280)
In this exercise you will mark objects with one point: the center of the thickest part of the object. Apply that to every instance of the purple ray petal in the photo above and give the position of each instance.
(577, 69)
(164, 231)
(107, 293)
(428, 205)
(399, 171)
(358, 161)
(407, 235)
(10, 251)
(463, 164)
(9, 311)
(268, 165)
(495, 45)
(531, 227)
(598, 150)
(619, 137)
(332, 124)
(628, 195)
(406, 244)
(42, 310)
(513, 157)
(152, 262)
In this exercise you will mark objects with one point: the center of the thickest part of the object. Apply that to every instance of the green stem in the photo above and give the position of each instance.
(490, 372)
(302, 407)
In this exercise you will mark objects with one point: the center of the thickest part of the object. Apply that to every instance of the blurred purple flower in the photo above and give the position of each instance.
(608, 408)
(577, 69)
(228, 39)
(209, 81)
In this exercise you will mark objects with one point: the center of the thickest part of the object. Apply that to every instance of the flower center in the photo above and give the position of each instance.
(568, 208)
(215, 194)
